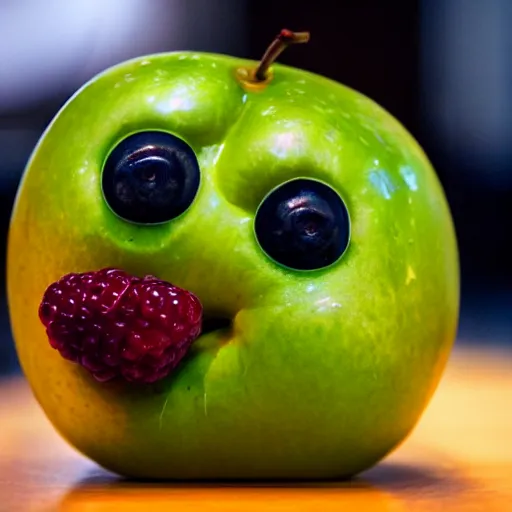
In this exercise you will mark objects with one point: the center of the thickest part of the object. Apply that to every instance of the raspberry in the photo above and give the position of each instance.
(120, 326)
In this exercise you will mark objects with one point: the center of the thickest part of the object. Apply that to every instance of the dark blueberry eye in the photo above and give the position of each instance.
(303, 224)
(150, 177)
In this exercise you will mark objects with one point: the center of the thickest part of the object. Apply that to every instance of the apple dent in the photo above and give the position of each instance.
(258, 78)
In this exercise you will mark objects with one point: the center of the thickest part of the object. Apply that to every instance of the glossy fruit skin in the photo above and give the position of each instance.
(324, 372)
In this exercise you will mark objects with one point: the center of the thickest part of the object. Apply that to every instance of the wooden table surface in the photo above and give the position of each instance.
(458, 458)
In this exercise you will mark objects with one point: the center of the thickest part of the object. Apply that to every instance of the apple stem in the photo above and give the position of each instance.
(280, 43)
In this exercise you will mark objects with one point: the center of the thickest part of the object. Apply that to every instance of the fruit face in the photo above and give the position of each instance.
(330, 359)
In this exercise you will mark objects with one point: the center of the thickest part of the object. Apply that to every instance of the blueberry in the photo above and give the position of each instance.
(150, 177)
(303, 224)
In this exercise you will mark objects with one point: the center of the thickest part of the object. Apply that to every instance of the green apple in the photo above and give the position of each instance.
(327, 363)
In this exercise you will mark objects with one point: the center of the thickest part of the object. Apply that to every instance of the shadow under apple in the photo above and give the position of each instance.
(387, 486)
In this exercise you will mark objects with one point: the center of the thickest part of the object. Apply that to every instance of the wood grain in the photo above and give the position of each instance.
(458, 458)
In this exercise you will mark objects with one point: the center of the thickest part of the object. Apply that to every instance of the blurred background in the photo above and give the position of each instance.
(442, 67)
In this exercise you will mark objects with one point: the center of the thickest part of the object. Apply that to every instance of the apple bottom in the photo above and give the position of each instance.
(270, 398)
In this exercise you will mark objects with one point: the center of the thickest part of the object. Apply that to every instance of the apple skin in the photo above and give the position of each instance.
(323, 372)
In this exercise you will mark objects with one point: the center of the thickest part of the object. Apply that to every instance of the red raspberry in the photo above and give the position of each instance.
(118, 325)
